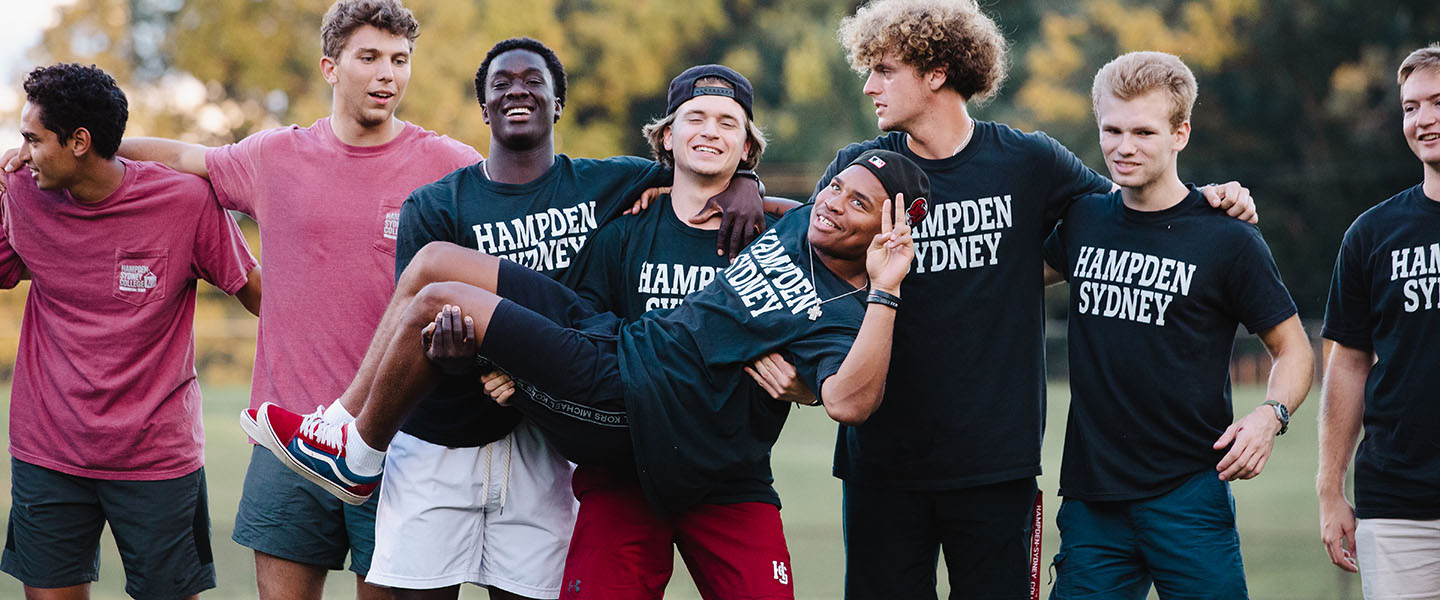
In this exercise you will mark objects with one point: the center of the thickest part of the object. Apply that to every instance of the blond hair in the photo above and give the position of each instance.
(929, 34)
(1139, 73)
(1424, 58)
(654, 132)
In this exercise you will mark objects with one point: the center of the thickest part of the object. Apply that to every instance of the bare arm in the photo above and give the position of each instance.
(181, 156)
(1052, 276)
(854, 392)
(1342, 406)
(778, 206)
(1252, 438)
(249, 294)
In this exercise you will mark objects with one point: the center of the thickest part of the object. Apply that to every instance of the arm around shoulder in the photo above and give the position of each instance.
(181, 156)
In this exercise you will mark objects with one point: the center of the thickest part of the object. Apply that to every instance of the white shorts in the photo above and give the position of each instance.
(498, 515)
(1399, 558)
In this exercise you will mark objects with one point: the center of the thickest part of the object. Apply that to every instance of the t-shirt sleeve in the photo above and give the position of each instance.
(425, 217)
(1069, 179)
(12, 269)
(597, 275)
(1055, 254)
(817, 357)
(1253, 287)
(622, 180)
(221, 255)
(1347, 309)
(235, 171)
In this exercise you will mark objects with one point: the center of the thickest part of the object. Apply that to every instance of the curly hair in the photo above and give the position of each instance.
(72, 97)
(345, 16)
(654, 132)
(928, 34)
(1422, 59)
(1138, 73)
(552, 63)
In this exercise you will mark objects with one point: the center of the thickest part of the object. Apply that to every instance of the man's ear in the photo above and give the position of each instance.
(665, 137)
(79, 142)
(327, 69)
(559, 108)
(935, 78)
(1182, 136)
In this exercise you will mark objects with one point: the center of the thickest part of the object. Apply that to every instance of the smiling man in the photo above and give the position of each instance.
(327, 198)
(105, 410)
(1384, 318)
(1161, 280)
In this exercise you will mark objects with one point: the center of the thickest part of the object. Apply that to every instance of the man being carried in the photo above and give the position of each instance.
(105, 410)
(1160, 280)
(1382, 315)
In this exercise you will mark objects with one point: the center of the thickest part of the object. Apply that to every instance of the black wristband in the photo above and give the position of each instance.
(885, 298)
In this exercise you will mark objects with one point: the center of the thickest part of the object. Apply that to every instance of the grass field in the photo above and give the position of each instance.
(1278, 525)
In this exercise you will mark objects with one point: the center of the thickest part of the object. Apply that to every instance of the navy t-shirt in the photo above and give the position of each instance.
(965, 399)
(541, 224)
(711, 450)
(1155, 297)
(1385, 298)
(695, 354)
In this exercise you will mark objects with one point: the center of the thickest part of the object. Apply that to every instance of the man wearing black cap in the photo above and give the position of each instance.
(444, 519)
(800, 289)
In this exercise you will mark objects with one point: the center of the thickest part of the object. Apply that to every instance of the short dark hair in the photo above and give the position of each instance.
(552, 63)
(72, 96)
(345, 16)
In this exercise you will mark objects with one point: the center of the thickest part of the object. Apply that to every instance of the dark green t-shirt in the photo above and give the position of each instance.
(1155, 298)
(965, 399)
(694, 355)
(1385, 298)
(715, 452)
(542, 224)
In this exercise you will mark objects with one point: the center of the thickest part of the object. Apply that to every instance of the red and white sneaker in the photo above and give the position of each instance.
(314, 448)
(249, 422)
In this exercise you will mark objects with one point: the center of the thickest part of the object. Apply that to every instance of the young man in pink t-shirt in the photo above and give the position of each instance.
(327, 198)
(105, 410)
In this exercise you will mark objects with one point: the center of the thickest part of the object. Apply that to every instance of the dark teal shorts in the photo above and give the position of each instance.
(161, 527)
(1183, 542)
(284, 515)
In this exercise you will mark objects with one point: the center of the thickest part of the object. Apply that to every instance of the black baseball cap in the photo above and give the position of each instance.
(897, 174)
(683, 88)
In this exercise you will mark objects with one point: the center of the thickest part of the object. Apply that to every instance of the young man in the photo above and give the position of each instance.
(536, 208)
(1159, 279)
(586, 367)
(105, 411)
(950, 461)
(327, 198)
(1382, 316)
(700, 478)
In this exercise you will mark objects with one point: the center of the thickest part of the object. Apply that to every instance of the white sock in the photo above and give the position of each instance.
(359, 456)
(336, 413)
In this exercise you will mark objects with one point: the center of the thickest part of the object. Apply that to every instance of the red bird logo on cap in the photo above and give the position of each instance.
(916, 213)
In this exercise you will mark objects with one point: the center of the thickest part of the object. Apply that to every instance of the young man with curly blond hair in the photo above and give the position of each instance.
(1143, 446)
(949, 460)
(1384, 319)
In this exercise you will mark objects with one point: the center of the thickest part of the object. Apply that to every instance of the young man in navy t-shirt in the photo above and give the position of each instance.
(1158, 283)
(1384, 316)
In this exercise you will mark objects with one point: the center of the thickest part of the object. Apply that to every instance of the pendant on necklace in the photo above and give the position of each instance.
(814, 312)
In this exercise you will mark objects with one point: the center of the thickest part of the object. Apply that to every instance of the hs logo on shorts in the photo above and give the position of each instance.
(782, 575)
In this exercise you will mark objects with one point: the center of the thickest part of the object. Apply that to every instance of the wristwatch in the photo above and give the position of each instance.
(1281, 413)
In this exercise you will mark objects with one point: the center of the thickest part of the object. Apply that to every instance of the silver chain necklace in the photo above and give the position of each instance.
(815, 312)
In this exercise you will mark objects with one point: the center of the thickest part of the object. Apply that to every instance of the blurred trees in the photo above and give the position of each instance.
(1297, 97)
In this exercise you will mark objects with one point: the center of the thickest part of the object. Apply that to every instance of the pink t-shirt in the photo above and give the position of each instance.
(105, 374)
(328, 214)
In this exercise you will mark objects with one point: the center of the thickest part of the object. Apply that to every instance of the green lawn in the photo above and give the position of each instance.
(1278, 526)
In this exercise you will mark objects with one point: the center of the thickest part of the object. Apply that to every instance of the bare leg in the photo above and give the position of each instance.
(365, 591)
(278, 578)
(74, 592)
(438, 261)
(404, 374)
(445, 593)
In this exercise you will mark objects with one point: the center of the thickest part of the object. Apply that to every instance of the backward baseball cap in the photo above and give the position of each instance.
(683, 87)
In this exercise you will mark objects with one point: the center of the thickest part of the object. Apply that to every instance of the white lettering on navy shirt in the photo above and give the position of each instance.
(1128, 285)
